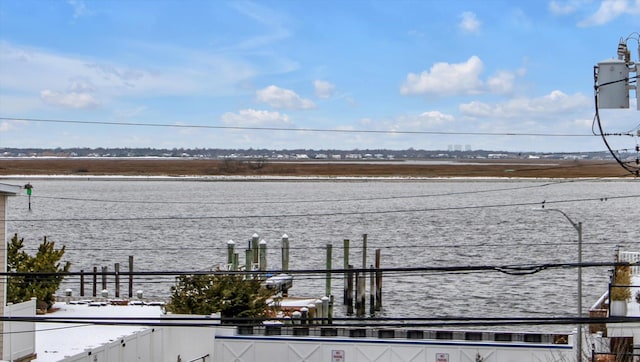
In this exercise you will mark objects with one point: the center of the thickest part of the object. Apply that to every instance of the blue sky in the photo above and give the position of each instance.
(497, 75)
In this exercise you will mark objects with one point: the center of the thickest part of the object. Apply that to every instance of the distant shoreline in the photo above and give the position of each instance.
(213, 169)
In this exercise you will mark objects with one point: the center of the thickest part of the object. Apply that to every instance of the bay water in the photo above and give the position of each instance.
(184, 225)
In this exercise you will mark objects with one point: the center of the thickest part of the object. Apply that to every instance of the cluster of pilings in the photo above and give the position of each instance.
(355, 279)
(359, 276)
(104, 291)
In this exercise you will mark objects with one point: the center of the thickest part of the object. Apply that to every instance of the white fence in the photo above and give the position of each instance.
(223, 344)
(160, 344)
(19, 337)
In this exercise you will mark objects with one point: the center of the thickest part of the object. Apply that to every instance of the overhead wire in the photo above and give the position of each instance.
(320, 214)
(140, 124)
(336, 322)
(298, 201)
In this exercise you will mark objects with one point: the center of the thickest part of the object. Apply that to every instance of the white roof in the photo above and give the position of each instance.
(11, 190)
(55, 341)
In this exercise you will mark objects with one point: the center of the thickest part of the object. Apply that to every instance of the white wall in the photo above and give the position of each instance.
(221, 344)
(295, 349)
(19, 337)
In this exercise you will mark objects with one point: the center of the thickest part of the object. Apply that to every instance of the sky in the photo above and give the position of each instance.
(510, 75)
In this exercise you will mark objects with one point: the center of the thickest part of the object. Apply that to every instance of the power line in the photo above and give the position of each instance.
(140, 124)
(444, 194)
(358, 247)
(338, 322)
(324, 214)
(511, 269)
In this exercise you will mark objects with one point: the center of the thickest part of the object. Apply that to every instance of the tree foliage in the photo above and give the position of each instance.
(230, 295)
(21, 288)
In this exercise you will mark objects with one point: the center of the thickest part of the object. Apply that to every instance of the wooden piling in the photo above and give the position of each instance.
(95, 281)
(116, 268)
(349, 297)
(363, 284)
(230, 252)
(263, 255)
(372, 298)
(364, 251)
(285, 253)
(104, 278)
(254, 247)
(345, 244)
(327, 288)
(248, 258)
(330, 321)
(130, 276)
(360, 294)
(234, 265)
(82, 282)
(378, 282)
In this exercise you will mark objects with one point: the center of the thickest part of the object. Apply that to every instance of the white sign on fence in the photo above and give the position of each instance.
(442, 357)
(337, 355)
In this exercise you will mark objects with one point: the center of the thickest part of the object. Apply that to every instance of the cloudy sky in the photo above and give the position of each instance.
(512, 75)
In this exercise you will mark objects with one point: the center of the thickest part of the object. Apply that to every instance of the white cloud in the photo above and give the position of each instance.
(80, 9)
(69, 99)
(281, 98)
(459, 79)
(324, 89)
(256, 118)
(29, 71)
(561, 8)
(469, 22)
(430, 119)
(446, 79)
(553, 105)
(421, 122)
(611, 9)
(501, 82)
(6, 126)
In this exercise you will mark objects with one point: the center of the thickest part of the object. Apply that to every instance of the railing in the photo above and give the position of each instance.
(414, 334)
(631, 257)
(202, 358)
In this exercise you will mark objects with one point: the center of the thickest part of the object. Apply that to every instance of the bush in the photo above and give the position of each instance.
(230, 295)
(21, 288)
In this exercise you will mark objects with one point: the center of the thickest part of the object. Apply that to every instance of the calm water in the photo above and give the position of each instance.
(184, 225)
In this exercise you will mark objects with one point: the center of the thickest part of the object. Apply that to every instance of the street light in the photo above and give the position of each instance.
(578, 227)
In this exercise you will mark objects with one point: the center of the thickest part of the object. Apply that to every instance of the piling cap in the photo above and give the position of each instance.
(255, 235)
(285, 236)
(325, 299)
(230, 242)
(263, 242)
(304, 309)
